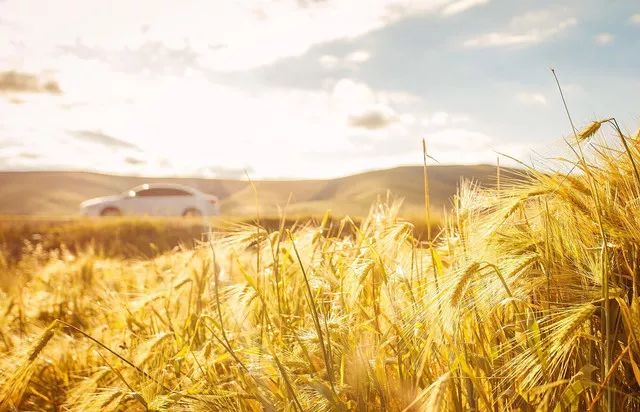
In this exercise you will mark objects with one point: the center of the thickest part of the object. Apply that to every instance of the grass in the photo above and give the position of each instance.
(527, 299)
(113, 237)
(131, 237)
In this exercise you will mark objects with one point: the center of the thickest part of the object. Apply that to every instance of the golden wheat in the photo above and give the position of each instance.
(527, 299)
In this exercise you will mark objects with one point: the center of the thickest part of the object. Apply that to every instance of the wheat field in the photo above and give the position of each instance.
(526, 299)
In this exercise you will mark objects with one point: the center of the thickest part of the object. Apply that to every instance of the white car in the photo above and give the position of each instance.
(154, 199)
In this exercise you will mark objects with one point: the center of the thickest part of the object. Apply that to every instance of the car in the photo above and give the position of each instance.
(154, 199)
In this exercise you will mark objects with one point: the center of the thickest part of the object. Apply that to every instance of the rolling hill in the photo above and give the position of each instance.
(59, 193)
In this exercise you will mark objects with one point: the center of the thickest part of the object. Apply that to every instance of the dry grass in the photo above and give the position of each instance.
(527, 300)
(133, 237)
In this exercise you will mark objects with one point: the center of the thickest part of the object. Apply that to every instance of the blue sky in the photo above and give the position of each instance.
(305, 88)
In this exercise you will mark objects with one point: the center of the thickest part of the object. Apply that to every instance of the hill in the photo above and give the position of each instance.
(59, 193)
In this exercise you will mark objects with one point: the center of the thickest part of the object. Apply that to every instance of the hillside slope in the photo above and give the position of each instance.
(59, 193)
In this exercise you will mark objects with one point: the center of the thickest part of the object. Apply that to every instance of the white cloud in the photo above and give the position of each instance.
(635, 19)
(441, 118)
(365, 108)
(349, 92)
(351, 61)
(497, 39)
(203, 127)
(532, 98)
(358, 56)
(208, 128)
(329, 61)
(407, 118)
(459, 139)
(603, 39)
(456, 145)
(225, 35)
(198, 125)
(528, 29)
(398, 97)
(461, 6)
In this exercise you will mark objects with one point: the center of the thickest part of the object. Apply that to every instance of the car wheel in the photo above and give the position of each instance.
(110, 211)
(192, 212)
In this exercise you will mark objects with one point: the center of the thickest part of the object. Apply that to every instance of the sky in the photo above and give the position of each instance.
(305, 88)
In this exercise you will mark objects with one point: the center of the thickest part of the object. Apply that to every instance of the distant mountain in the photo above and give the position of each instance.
(59, 193)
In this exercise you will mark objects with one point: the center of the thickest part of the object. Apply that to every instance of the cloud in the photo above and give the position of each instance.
(499, 39)
(373, 118)
(225, 36)
(453, 145)
(358, 56)
(103, 139)
(526, 30)
(397, 97)
(461, 6)
(366, 108)
(329, 61)
(460, 139)
(17, 82)
(351, 92)
(603, 39)
(269, 39)
(15, 155)
(635, 19)
(150, 56)
(267, 128)
(351, 61)
(532, 98)
(134, 161)
(441, 118)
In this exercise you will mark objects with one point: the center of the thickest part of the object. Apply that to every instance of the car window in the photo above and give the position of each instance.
(162, 192)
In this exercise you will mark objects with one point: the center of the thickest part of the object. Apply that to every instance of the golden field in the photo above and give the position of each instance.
(526, 298)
